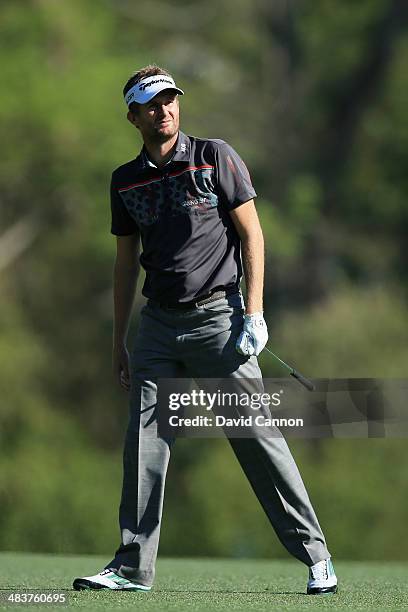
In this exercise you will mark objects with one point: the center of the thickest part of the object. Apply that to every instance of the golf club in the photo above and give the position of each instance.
(304, 381)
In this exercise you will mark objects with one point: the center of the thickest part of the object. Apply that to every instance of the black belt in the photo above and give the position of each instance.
(200, 301)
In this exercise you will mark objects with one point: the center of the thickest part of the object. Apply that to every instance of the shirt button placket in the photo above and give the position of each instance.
(165, 187)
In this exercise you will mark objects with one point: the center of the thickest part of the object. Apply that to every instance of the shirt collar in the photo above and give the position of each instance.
(183, 146)
(181, 153)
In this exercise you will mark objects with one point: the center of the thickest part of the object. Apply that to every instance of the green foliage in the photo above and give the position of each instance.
(314, 97)
(357, 333)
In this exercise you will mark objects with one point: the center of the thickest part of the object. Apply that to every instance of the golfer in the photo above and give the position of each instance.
(190, 203)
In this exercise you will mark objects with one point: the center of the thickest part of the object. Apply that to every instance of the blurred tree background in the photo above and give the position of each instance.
(314, 96)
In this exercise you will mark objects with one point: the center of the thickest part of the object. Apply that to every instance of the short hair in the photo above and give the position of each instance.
(143, 73)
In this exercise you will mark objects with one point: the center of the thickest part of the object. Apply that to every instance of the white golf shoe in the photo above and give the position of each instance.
(322, 579)
(108, 580)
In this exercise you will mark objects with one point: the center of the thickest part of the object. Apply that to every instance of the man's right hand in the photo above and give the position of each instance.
(120, 366)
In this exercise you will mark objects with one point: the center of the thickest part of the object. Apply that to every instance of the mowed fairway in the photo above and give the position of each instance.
(209, 584)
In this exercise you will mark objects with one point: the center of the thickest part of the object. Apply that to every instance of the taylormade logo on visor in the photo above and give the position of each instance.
(147, 88)
(143, 86)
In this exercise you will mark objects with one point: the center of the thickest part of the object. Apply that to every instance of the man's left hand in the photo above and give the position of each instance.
(254, 336)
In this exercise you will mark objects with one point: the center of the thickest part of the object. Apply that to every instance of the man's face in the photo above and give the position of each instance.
(158, 120)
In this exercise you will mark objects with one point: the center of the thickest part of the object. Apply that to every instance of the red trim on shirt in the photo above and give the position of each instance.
(203, 167)
(155, 180)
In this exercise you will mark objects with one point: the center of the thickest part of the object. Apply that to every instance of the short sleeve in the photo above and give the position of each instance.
(234, 182)
(122, 223)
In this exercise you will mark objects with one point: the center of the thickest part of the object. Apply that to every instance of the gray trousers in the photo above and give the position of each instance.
(199, 343)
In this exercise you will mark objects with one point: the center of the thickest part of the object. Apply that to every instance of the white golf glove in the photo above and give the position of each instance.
(254, 336)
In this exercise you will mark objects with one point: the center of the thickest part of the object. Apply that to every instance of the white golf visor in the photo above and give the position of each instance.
(149, 87)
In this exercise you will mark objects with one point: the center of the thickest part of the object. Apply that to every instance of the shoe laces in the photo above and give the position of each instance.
(319, 571)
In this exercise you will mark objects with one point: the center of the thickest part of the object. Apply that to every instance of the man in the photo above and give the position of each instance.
(190, 203)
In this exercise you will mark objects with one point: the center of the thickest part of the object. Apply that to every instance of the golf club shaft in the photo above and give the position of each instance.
(304, 381)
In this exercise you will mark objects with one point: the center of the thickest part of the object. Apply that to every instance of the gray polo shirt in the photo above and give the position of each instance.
(190, 246)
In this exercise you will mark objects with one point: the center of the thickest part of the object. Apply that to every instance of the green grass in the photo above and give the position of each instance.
(207, 585)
